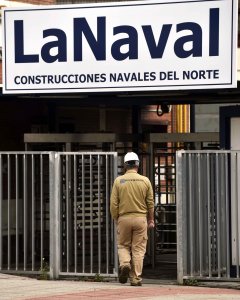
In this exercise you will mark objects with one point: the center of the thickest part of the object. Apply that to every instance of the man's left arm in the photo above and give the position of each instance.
(151, 222)
(150, 206)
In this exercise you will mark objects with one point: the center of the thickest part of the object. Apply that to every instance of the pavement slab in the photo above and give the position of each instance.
(24, 288)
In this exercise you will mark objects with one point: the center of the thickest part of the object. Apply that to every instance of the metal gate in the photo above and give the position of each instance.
(163, 147)
(54, 210)
(86, 232)
(208, 215)
(165, 207)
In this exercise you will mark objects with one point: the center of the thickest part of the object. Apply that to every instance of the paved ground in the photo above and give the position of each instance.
(19, 288)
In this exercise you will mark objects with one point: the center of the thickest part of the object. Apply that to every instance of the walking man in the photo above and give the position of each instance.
(132, 208)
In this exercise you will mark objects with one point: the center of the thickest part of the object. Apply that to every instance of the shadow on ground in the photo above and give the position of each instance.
(165, 267)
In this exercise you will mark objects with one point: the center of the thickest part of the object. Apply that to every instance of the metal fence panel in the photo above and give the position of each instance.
(24, 211)
(54, 210)
(208, 214)
(88, 245)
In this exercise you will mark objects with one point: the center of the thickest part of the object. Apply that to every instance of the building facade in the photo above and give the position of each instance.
(155, 125)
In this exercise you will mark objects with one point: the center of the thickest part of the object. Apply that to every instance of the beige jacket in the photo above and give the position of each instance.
(132, 194)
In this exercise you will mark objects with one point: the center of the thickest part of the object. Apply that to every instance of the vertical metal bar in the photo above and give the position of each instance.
(115, 173)
(25, 212)
(41, 209)
(99, 218)
(70, 214)
(180, 218)
(158, 178)
(209, 220)
(191, 217)
(54, 195)
(218, 216)
(9, 210)
(166, 177)
(152, 167)
(204, 213)
(200, 223)
(33, 213)
(195, 218)
(213, 211)
(1, 200)
(236, 213)
(67, 211)
(91, 215)
(107, 215)
(75, 211)
(152, 178)
(112, 225)
(17, 212)
(83, 214)
(223, 212)
(227, 217)
(59, 185)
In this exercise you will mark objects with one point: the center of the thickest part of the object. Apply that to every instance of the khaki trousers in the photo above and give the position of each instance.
(132, 242)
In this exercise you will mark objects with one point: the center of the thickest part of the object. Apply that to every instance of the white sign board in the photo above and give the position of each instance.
(118, 47)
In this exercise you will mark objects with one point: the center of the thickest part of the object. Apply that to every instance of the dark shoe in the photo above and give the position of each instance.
(139, 283)
(124, 273)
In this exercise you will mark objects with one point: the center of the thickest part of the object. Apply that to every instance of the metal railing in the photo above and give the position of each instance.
(24, 197)
(208, 189)
(54, 208)
(85, 184)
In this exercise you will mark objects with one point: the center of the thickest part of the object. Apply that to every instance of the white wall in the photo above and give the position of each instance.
(207, 117)
(235, 134)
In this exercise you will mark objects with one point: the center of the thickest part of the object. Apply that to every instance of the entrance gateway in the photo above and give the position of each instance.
(57, 206)
(86, 233)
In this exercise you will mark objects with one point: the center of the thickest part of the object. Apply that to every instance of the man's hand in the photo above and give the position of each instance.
(151, 224)
(150, 218)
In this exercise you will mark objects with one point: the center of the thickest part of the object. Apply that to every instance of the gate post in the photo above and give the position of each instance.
(54, 162)
(152, 232)
(115, 174)
(181, 217)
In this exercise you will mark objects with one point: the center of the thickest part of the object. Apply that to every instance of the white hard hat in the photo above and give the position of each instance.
(130, 156)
